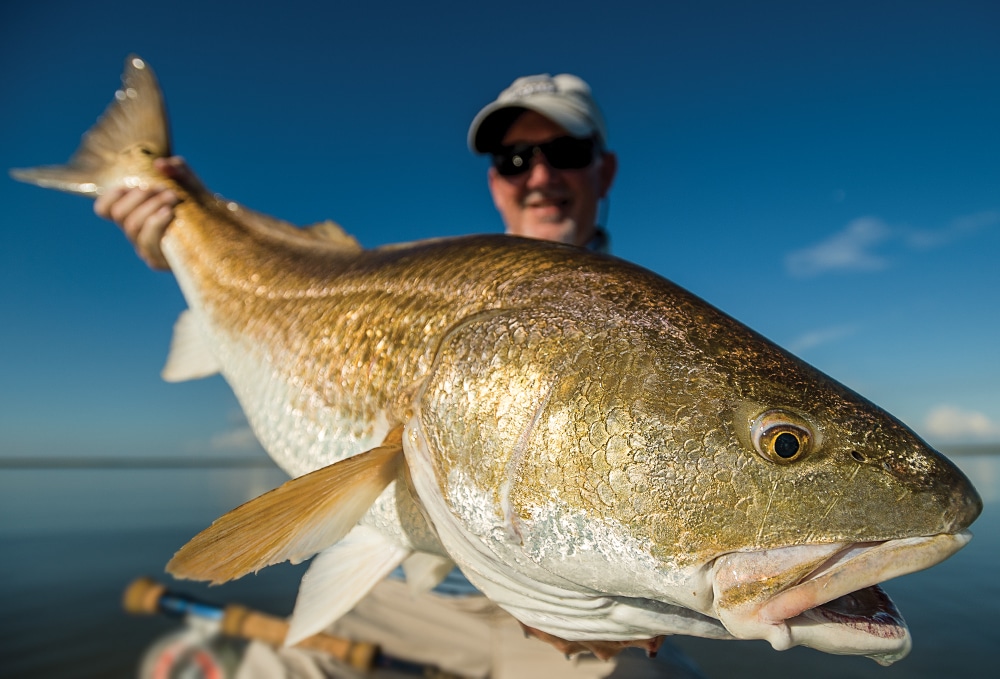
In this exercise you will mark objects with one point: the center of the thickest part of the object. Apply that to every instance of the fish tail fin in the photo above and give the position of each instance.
(122, 144)
(292, 522)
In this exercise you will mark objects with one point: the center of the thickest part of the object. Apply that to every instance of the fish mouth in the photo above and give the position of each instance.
(868, 610)
(826, 596)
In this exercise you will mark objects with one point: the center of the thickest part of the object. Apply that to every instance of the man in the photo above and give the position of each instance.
(551, 166)
(551, 169)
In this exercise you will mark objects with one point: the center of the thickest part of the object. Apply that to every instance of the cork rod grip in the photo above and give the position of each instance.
(239, 621)
(145, 596)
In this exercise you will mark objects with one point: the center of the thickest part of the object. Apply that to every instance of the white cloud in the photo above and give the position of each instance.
(851, 249)
(236, 438)
(239, 440)
(960, 227)
(949, 422)
(822, 336)
(861, 245)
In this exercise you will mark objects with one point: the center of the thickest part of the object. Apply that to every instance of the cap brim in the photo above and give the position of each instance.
(491, 124)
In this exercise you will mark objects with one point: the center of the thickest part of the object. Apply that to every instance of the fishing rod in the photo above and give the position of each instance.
(145, 596)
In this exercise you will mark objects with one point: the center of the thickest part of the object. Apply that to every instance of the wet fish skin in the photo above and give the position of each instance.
(582, 436)
(648, 426)
(674, 375)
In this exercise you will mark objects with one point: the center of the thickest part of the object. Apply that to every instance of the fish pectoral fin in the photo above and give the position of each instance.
(425, 571)
(339, 577)
(190, 356)
(292, 522)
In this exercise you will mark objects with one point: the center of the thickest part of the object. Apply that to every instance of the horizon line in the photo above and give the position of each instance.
(112, 462)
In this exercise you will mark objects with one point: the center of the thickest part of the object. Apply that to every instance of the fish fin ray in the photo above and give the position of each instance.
(425, 571)
(292, 522)
(339, 577)
(327, 234)
(135, 119)
(333, 233)
(190, 356)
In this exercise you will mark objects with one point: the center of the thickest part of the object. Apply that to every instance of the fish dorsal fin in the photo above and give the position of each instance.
(292, 522)
(339, 577)
(333, 233)
(425, 571)
(190, 356)
(327, 233)
(134, 124)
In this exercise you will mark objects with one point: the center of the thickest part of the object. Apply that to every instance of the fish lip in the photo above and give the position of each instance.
(833, 604)
(857, 567)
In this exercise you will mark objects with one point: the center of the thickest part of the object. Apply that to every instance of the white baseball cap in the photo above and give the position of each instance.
(564, 99)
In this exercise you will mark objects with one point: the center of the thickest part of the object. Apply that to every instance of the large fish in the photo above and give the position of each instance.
(605, 455)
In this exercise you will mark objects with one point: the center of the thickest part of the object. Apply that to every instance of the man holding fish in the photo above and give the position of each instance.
(550, 170)
(609, 458)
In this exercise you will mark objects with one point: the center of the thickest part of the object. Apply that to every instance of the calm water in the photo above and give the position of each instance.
(72, 539)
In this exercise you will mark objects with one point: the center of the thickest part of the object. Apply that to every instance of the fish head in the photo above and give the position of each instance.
(809, 495)
(845, 496)
(659, 451)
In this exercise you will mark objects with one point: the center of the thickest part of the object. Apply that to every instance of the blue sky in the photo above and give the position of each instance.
(828, 173)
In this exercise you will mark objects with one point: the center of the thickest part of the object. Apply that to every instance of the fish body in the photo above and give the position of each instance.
(605, 455)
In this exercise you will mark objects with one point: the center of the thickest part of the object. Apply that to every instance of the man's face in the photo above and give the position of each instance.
(546, 203)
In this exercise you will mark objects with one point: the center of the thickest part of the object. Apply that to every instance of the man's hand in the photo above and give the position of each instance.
(145, 214)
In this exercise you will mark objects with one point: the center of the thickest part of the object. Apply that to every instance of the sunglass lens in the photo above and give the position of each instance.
(512, 162)
(569, 153)
(564, 153)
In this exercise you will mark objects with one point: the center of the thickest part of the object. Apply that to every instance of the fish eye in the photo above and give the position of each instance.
(780, 436)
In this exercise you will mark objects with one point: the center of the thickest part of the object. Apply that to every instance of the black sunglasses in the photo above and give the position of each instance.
(562, 153)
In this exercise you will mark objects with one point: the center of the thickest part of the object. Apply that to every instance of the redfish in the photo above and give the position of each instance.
(605, 455)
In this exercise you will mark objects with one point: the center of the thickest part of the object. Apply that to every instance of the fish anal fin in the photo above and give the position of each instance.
(292, 522)
(190, 356)
(339, 577)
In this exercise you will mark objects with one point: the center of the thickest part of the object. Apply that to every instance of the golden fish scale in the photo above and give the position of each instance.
(357, 329)
(624, 408)
(558, 376)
